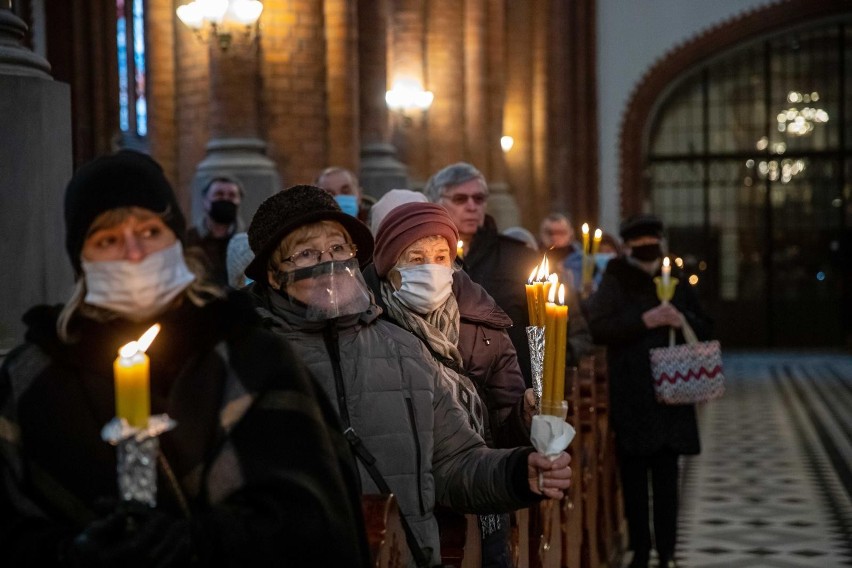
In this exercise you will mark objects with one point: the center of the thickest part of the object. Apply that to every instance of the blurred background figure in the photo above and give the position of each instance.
(347, 191)
(565, 255)
(523, 235)
(221, 199)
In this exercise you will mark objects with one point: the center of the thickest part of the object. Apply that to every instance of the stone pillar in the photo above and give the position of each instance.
(36, 164)
(235, 147)
(380, 169)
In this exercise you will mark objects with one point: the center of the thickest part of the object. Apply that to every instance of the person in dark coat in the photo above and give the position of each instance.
(418, 286)
(626, 315)
(397, 406)
(236, 487)
(500, 264)
(221, 198)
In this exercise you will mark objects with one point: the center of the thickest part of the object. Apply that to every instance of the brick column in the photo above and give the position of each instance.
(380, 168)
(235, 147)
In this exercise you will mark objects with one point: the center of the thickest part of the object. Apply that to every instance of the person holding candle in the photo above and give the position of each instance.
(626, 315)
(396, 404)
(229, 493)
(418, 286)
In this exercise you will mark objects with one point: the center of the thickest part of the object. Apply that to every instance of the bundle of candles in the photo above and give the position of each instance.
(548, 313)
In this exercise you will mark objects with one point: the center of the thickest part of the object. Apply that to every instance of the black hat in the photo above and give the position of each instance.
(124, 179)
(292, 208)
(641, 225)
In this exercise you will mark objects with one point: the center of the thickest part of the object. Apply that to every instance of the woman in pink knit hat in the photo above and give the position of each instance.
(415, 281)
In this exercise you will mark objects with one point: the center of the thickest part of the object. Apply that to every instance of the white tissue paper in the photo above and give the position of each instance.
(550, 435)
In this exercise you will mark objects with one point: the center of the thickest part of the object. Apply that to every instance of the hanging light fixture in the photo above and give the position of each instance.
(221, 20)
(408, 95)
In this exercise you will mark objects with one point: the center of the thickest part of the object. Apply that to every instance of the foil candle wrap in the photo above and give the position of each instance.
(137, 452)
(535, 338)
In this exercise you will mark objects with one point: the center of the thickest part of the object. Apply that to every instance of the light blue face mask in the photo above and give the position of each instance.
(348, 203)
(602, 258)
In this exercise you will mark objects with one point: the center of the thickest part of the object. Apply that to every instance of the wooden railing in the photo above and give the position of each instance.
(586, 529)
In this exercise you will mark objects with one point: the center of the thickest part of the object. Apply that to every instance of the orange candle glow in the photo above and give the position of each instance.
(460, 249)
(131, 371)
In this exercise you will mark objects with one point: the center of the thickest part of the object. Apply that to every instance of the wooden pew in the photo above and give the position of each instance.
(385, 535)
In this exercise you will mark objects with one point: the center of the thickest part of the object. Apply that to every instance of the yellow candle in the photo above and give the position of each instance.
(532, 308)
(131, 371)
(460, 249)
(585, 239)
(550, 349)
(561, 324)
(596, 242)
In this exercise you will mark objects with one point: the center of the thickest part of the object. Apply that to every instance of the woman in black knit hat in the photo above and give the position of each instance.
(229, 493)
(399, 413)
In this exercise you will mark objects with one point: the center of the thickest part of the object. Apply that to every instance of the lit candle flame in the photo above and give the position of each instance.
(142, 344)
(562, 294)
(598, 234)
(541, 276)
(666, 262)
(551, 295)
(532, 276)
(585, 228)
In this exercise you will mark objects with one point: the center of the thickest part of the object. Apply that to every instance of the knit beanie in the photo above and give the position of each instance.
(287, 210)
(641, 225)
(406, 224)
(124, 179)
(237, 258)
(389, 201)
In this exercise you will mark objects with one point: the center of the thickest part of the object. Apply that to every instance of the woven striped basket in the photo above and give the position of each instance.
(688, 373)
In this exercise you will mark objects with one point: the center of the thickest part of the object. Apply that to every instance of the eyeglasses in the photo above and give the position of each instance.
(462, 198)
(310, 257)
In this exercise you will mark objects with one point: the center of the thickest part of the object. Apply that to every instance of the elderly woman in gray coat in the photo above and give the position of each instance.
(396, 406)
(417, 284)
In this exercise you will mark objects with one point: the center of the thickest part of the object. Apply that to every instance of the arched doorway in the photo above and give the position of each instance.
(747, 155)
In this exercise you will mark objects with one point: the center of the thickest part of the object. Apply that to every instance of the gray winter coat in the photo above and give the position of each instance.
(405, 415)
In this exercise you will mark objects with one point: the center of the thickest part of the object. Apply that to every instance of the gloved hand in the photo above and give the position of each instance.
(133, 535)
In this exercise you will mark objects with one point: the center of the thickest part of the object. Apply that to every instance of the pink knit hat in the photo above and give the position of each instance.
(406, 224)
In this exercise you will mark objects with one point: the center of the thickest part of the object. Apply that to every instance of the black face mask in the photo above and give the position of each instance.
(647, 253)
(223, 212)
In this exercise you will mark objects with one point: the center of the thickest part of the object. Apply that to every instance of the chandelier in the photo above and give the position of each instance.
(222, 20)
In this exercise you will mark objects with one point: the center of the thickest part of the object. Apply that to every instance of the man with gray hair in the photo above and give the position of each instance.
(498, 263)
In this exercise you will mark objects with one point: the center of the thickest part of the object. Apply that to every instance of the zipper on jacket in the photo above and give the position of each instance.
(419, 470)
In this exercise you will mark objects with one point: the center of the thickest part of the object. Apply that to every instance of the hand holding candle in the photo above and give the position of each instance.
(132, 377)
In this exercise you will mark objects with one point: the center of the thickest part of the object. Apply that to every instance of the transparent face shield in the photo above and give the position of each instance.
(329, 290)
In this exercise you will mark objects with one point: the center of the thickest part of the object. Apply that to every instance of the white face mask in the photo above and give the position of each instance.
(137, 290)
(425, 287)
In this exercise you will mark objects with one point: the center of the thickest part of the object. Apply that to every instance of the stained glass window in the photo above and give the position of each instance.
(130, 40)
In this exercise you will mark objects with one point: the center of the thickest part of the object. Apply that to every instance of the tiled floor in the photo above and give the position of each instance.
(771, 487)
